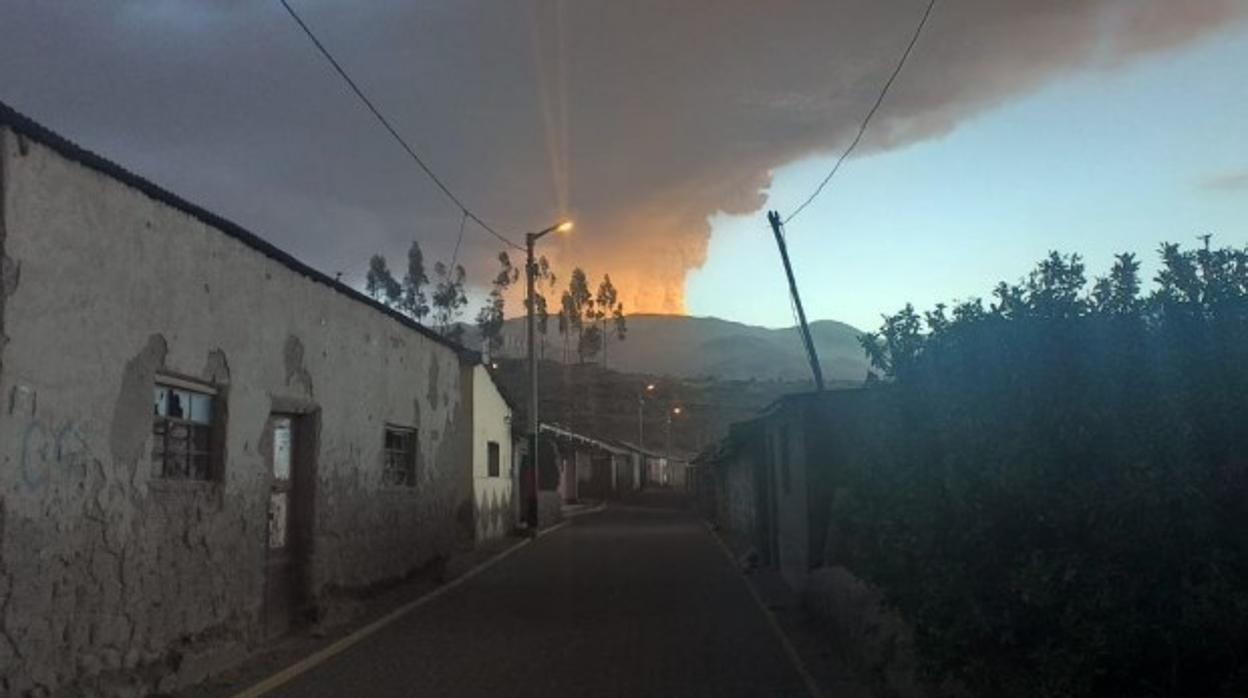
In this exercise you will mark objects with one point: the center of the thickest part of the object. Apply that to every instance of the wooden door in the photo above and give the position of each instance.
(284, 593)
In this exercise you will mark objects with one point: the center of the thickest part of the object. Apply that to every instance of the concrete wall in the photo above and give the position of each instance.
(491, 422)
(738, 501)
(767, 486)
(785, 439)
(102, 564)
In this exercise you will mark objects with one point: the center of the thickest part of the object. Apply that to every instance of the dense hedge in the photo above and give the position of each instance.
(1056, 495)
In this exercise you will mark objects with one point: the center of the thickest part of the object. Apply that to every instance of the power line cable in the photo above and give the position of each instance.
(386, 124)
(863, 128)
(455, 257)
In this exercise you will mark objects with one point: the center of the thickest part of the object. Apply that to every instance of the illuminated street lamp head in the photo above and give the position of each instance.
(650, 387)
(675, 410)
(563, 227)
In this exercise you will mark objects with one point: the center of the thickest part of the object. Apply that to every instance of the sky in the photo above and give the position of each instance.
(667, 129)
(1098, 163)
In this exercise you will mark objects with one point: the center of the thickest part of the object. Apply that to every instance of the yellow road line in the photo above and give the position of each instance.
(812, 686)
(323, 655)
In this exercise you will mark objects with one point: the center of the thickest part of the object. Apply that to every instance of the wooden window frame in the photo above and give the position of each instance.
(204, 442)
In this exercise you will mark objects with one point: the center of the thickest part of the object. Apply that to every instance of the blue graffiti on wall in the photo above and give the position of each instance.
(46, 450)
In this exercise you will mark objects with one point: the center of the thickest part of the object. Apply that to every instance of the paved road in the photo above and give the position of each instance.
(637, 600)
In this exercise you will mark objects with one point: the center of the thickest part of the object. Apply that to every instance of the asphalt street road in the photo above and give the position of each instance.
(637, 600)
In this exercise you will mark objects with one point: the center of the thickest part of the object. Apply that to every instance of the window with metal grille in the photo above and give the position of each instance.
(400, 457)
(494, 458)
(183, 438)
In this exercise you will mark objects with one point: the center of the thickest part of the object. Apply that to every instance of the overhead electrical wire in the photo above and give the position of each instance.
(467, 212)
(459, 239)
(865, 122)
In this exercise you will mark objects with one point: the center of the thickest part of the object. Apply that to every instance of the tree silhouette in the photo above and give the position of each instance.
(491, 315)
(380, 283)
(449, 300)
(605, 303)
(414, 302)
(580, 307)
(1052, 489)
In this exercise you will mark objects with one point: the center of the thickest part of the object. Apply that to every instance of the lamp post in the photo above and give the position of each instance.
(675, 411)
(530, 274)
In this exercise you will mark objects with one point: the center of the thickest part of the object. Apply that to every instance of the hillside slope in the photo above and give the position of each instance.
(707, 347)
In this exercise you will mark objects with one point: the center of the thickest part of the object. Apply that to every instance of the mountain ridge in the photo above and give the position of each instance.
(705, 347)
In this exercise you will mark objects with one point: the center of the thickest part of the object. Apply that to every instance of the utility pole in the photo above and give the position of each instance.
(530, 509)
(774, 219)
(530, 274)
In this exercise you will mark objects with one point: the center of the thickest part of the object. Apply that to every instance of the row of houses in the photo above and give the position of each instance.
(580, 466)
(202, 439)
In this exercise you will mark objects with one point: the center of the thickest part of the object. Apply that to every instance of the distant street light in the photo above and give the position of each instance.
(530, 274)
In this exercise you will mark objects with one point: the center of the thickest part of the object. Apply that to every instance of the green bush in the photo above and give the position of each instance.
(1056, 494)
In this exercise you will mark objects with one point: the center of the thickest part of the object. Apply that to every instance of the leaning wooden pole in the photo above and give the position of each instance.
(774, 219)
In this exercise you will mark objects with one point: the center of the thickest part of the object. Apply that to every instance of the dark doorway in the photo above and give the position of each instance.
(288, 457)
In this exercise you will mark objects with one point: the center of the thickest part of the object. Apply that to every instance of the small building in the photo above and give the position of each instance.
(675, 471)
(202, 439)
(770, 483)
(649, 465)
(589, 468)
(493, 471)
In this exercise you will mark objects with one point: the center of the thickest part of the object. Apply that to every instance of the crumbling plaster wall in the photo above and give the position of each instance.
(104, 567)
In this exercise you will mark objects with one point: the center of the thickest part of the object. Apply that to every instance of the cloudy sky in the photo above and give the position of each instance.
(667, 129)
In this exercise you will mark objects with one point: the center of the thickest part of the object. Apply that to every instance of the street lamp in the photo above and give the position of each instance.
(530, 274)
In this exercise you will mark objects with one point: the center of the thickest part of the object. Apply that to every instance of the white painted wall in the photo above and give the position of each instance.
(491, 421)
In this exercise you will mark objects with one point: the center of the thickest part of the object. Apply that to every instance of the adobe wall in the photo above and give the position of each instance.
(104, 565)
